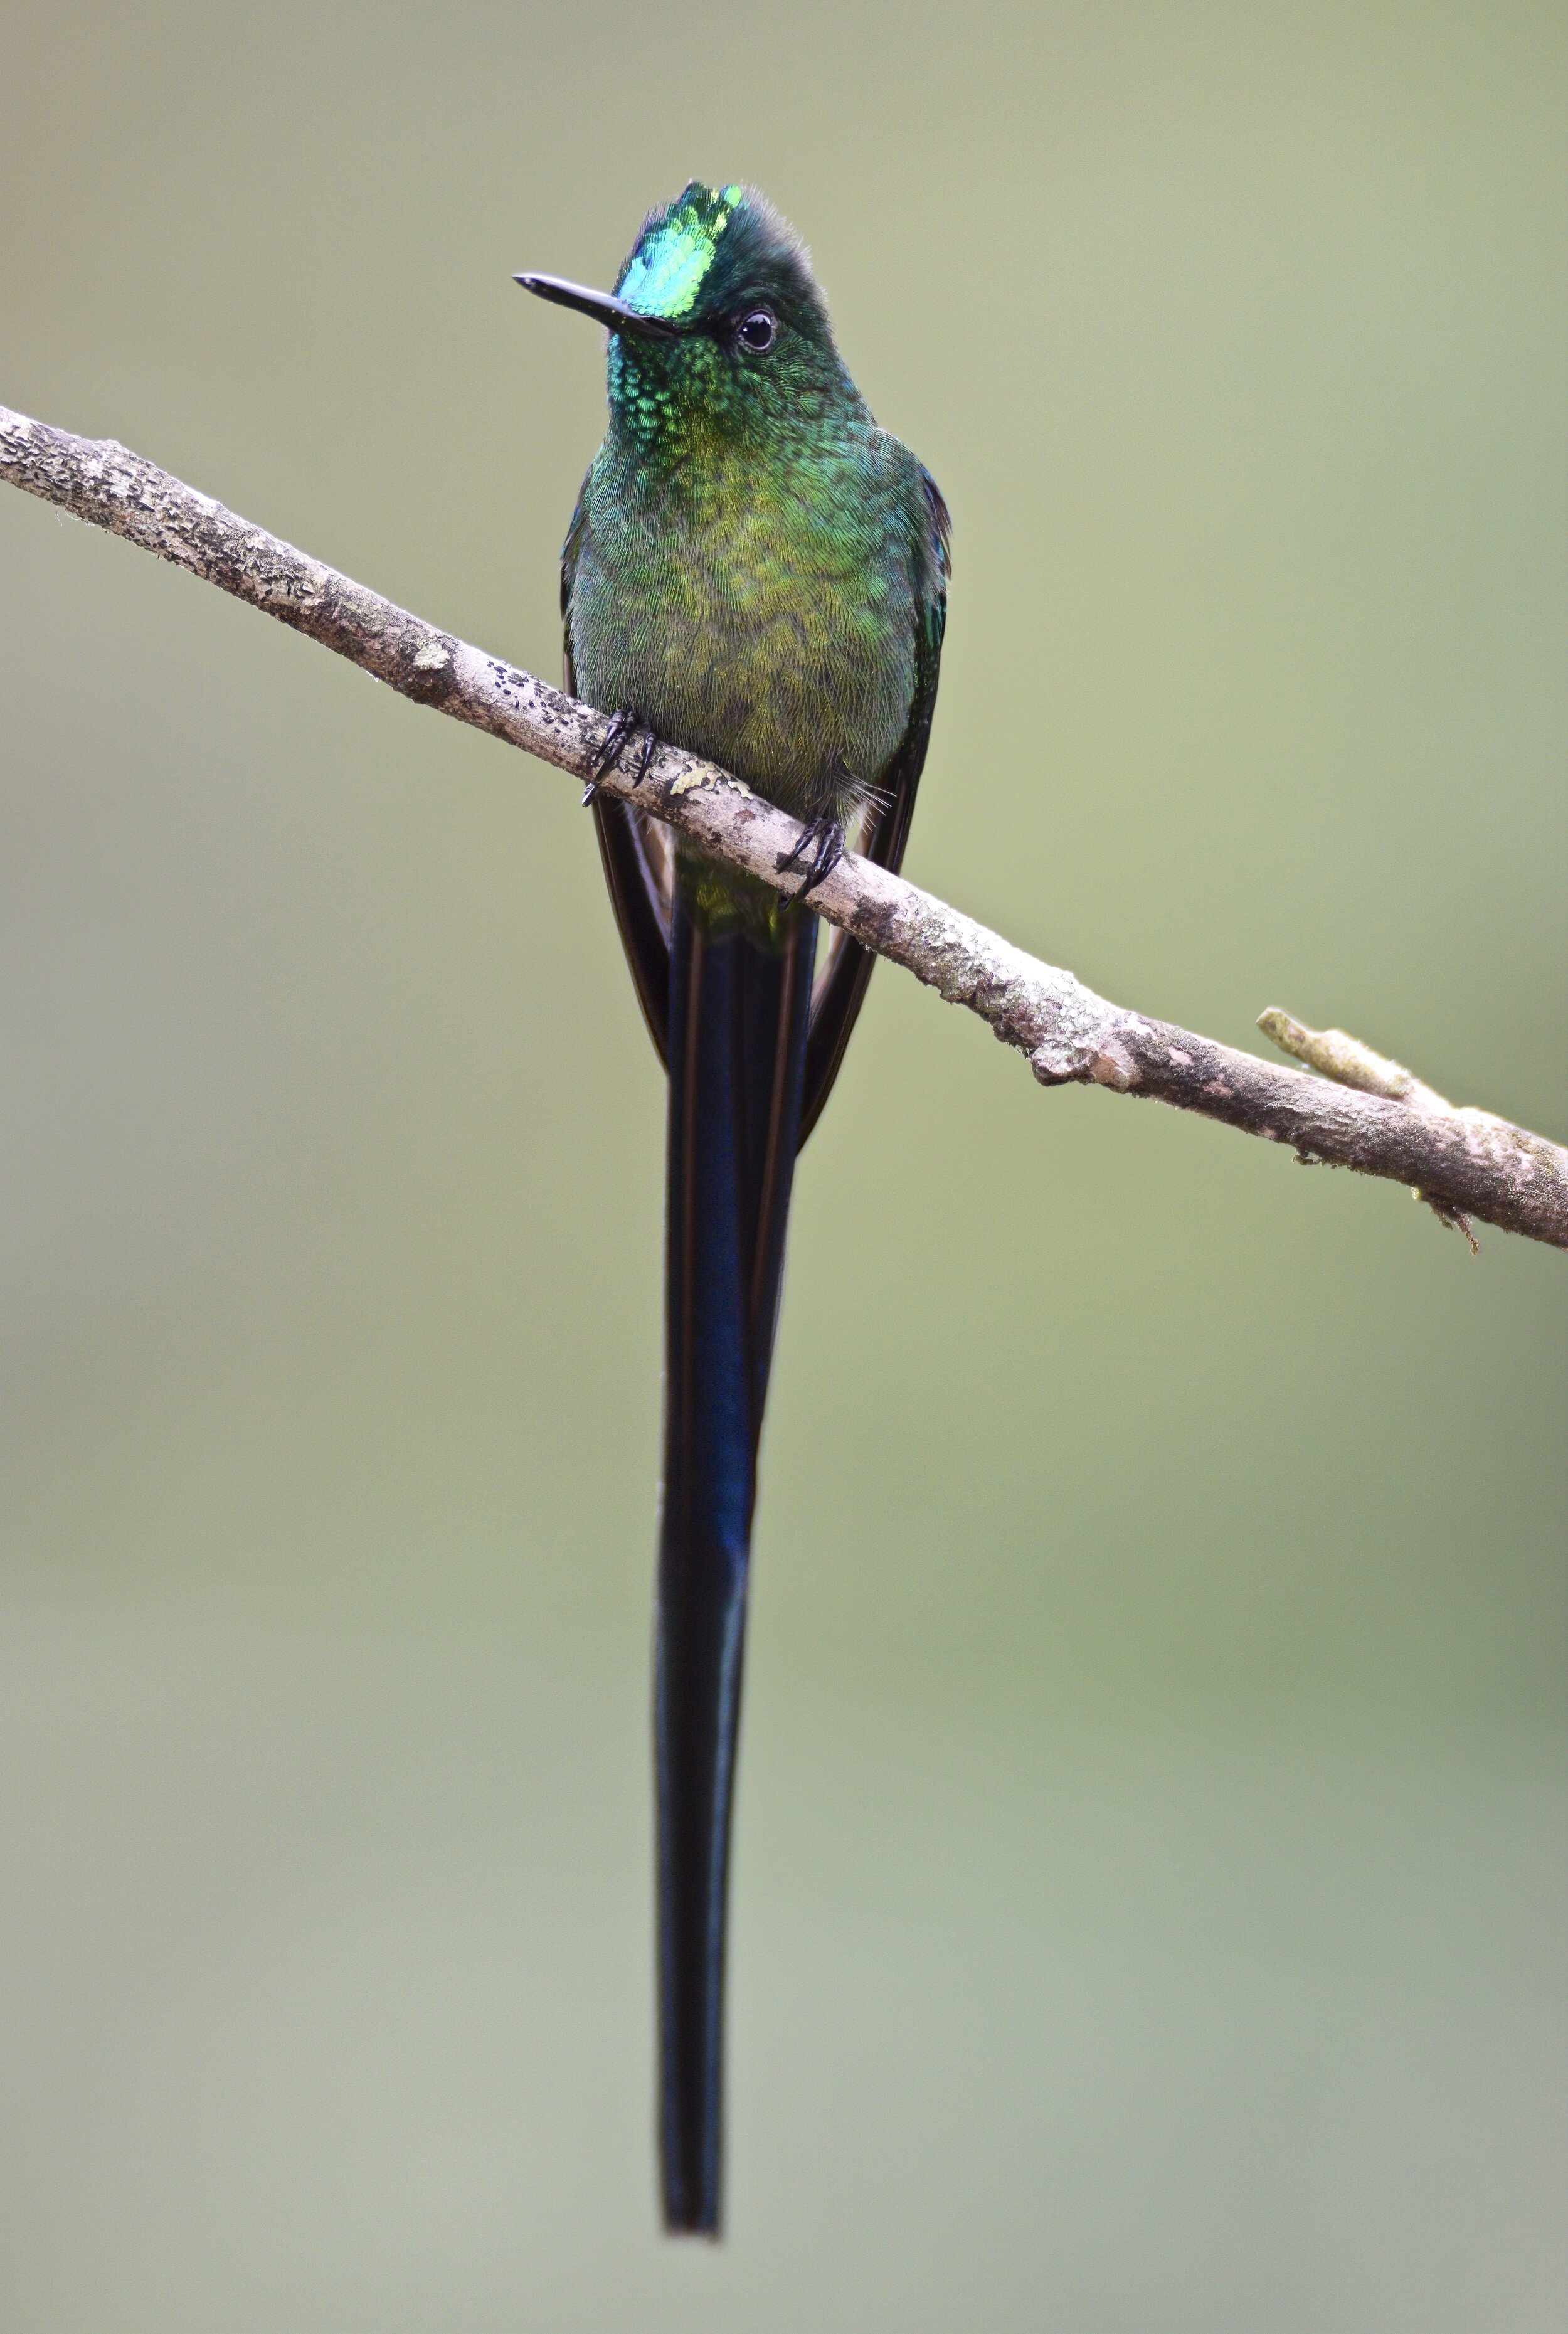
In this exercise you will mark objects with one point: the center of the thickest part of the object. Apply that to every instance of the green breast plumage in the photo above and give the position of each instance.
(763, 614)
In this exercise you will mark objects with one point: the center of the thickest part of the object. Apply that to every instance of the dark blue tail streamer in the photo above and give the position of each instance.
(738, 1047)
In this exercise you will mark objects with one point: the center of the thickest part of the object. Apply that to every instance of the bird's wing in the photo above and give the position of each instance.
(639, 865)
(842, 985)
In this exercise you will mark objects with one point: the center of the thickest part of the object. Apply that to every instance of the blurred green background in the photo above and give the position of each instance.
(1148, 1912)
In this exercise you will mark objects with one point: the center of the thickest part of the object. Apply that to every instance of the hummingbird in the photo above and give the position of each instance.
(757, 573)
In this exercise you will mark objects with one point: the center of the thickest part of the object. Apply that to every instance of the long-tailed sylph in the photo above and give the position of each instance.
(756, 572)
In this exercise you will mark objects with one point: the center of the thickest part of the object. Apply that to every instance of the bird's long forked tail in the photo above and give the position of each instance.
(737, 1045)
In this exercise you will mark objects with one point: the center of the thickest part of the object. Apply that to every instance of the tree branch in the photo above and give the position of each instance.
(1464, 1162)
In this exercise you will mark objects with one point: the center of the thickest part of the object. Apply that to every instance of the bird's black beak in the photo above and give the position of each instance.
(602, 306)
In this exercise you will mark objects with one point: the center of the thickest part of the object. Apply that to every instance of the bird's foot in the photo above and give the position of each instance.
(623, 727)
(819, 850)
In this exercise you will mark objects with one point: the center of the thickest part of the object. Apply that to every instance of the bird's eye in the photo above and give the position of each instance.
(758, 331)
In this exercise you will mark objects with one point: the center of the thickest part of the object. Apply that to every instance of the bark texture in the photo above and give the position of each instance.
(1363, 1112)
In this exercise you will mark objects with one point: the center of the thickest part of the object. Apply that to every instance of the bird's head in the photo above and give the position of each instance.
(717, 325)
